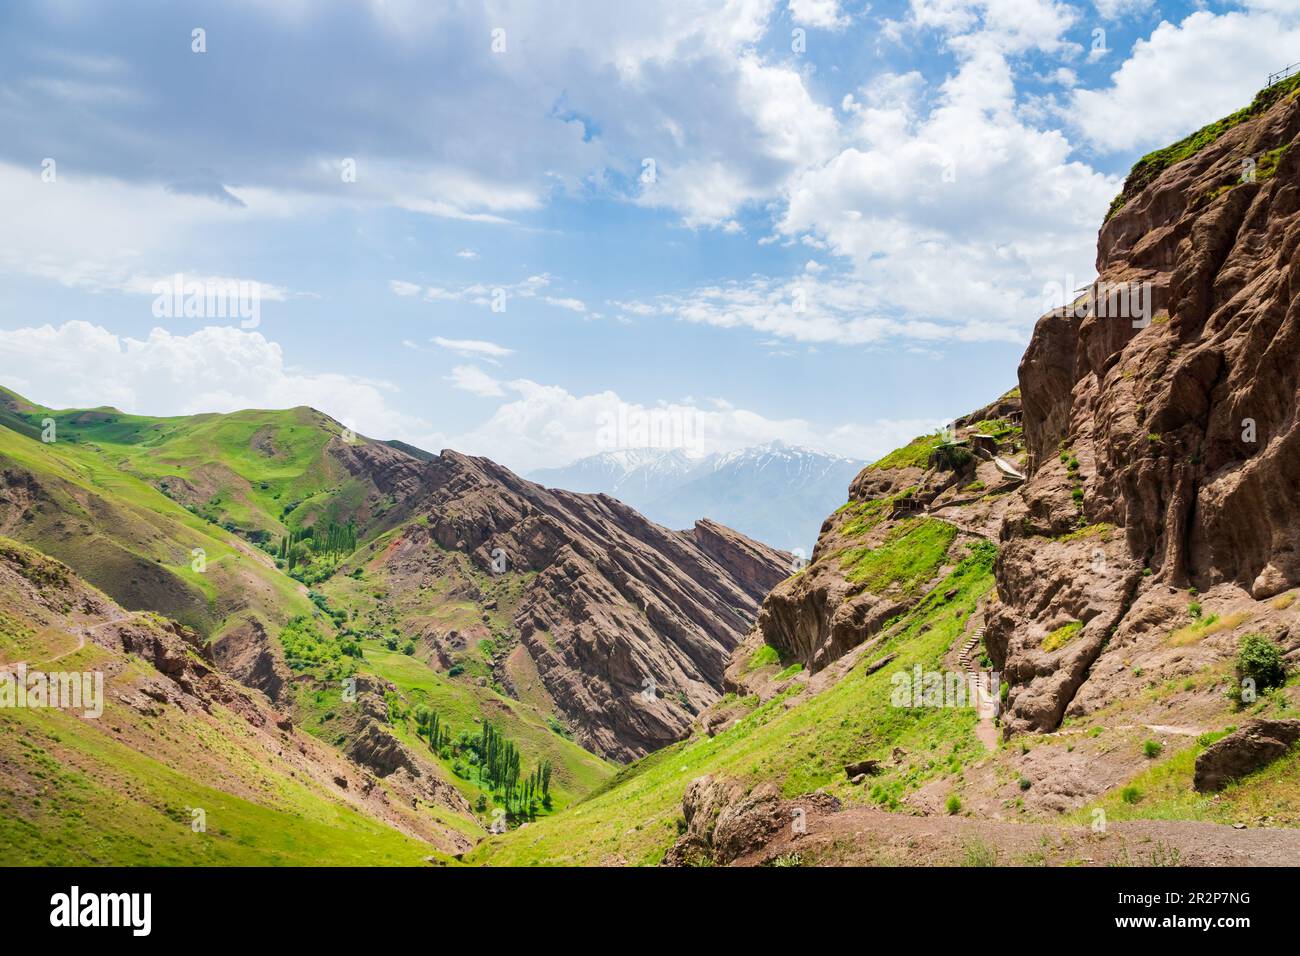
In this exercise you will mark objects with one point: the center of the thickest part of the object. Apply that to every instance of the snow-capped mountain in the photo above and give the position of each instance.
(777, 493)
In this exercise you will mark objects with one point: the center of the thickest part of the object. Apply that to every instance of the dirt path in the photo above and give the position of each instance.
(81, 642)
(866, 836)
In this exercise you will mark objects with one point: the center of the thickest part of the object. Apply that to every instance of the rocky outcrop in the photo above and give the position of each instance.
(247, 653)
(724, 821)
(628, 624)
(754, 566)
(1164, 455)
(1243, 751)
(817, 616)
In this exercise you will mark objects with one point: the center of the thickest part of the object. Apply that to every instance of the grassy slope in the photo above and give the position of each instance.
(254, 470)
(119, 789)
(110, 522)
(127, 538)
(802, 747)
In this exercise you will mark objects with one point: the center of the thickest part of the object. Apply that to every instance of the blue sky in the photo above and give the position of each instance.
(857, 212)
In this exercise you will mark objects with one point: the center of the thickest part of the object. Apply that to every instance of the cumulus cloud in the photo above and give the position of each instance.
(1186, 75)
(952, 219)
(546, 425)
(824, 14)
(99, 235)
(578, 95)
(472, 379)
(843, 310)
(215, 369)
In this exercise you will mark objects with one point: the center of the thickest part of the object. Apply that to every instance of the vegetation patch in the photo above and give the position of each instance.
(1062, 635)
(910, 556)
(915, 454)
(1150, 166)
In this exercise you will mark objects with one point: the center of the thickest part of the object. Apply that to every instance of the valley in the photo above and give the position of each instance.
(320, 648)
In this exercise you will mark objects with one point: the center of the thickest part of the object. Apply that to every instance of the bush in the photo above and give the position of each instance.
(1025, 783)
(408, 648)
(954, 804)
(1152, 749)
(1259, 659)
(1130, 794)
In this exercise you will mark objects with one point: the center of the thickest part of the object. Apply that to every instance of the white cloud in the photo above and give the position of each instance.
(1185, 76)
(101, 235)
(573, 305)
(844, 310)
(476, 293)
(824, 14)
(473, 347)
(472, 379)
(952, 220)
(545, 425)
(215, 369)
(583, 93)
(1116, 9)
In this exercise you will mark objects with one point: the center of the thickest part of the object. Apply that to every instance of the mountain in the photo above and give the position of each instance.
(614, 629)
(1068, 635)
(736, 488)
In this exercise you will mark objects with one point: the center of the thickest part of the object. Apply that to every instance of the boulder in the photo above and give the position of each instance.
(1255, 745)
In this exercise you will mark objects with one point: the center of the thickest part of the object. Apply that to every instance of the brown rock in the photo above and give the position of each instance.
(1249, 748)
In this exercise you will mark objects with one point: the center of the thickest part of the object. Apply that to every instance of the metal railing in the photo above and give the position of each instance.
(1283, 74)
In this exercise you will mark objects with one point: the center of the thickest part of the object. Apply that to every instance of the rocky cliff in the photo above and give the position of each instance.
(623, 627)
(1145, 475)
(1164, 455)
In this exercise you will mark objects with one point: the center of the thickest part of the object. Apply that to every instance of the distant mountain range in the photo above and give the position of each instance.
(777, 493)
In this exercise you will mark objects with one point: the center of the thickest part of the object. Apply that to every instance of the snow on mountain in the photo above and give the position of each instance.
(776, 493)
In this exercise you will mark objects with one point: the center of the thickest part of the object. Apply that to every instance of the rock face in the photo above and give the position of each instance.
(628, 625)
(1164, 455)
(899, 506)
(725, 821)
(754, 566)
(1256, 745)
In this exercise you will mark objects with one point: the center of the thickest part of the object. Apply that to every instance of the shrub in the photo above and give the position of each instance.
(954, 804)
(1260, 659)
(1130, 794)
(1025, 783)
(1152, 749)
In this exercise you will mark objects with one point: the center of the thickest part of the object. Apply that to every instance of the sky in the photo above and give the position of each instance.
(535, 231)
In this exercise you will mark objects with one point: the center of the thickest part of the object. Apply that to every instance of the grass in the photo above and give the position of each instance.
(910, 556)
(121, 789)
(577, 772)
(1164, 792)
(765, 656)
(1062, 635)
(1150, 166)
(915, 454)
(90, 800)
(1202, 627)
